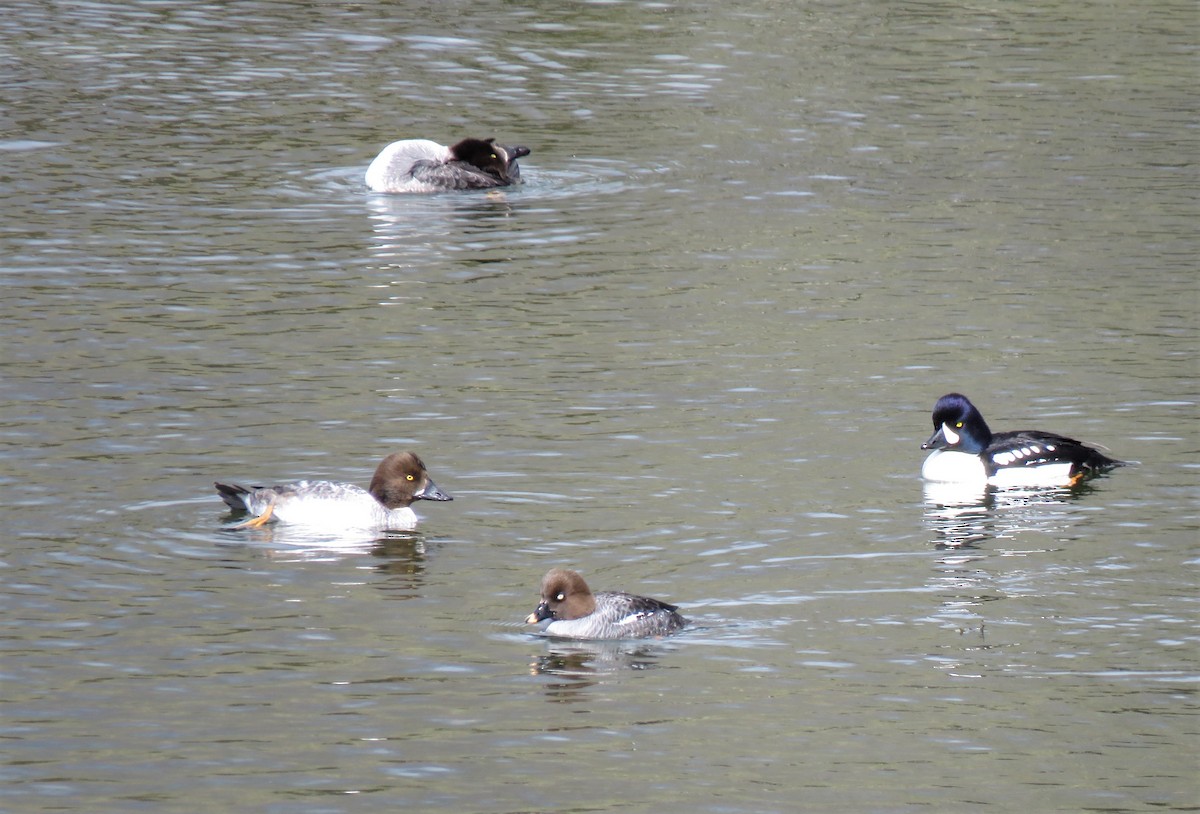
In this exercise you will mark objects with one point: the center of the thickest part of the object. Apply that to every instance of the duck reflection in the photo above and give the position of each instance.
(402, 559)
(403, 550)
(399, 553)
(958, 518)
(963, 517)
(981, 563)
(411, 228)
(582, 664)
(290, 542)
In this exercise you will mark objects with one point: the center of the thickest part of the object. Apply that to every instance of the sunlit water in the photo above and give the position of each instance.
(693, 356)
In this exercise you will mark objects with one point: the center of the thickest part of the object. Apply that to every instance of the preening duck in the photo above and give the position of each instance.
(420, 165)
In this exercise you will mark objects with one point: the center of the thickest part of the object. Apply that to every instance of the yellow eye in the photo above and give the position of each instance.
(410, 477)
(493, 155)
(958, 425)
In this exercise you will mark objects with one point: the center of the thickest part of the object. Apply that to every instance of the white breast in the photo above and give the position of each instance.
(948, 466)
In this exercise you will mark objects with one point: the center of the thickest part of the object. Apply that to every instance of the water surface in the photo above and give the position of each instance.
(693, 356)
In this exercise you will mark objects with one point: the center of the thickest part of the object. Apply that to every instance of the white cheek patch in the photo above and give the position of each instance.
(951, 436)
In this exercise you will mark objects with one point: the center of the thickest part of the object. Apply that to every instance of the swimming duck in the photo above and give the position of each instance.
(420, 165)
(966, 451)
(399, 480)
(569, 609)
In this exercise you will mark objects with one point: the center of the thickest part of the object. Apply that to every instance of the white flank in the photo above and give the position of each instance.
(1045, 475)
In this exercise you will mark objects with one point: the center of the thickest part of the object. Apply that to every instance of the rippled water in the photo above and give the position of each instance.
(693, 356)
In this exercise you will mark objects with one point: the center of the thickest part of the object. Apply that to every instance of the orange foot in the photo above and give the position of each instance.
(261, 520)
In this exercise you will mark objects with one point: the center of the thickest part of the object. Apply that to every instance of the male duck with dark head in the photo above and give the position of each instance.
(420, 165)
(965, 450)
(569, 609)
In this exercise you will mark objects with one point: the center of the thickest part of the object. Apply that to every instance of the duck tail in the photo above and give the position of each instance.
(233, 495)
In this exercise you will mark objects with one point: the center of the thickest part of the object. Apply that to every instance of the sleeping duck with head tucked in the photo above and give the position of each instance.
(420, 165)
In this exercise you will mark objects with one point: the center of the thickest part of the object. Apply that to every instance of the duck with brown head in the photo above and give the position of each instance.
(569, 609)
(399, 481)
